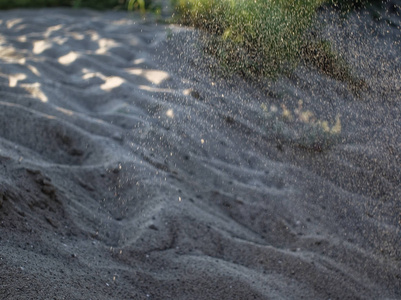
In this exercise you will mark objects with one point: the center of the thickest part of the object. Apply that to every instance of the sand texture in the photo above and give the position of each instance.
(130, 170)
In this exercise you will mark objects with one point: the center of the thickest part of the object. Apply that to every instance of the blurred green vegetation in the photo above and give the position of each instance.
(265, 37)
(149, 4)
(250, 37)
(254, 38)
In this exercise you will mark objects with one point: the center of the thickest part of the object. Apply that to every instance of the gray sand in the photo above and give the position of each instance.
(129, 170)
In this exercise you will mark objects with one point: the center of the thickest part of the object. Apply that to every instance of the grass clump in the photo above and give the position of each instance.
(258, 37)
(301, 128)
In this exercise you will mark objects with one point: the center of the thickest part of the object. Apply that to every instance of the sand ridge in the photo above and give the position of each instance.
(129, 170)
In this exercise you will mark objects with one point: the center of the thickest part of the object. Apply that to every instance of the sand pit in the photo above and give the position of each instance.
(129, 170)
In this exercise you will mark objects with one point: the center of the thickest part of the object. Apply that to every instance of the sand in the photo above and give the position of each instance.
(130, 170)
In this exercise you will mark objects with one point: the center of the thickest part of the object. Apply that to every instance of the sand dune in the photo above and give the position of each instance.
(130, 170)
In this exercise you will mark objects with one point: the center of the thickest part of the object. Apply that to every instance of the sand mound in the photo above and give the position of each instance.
(130, 170)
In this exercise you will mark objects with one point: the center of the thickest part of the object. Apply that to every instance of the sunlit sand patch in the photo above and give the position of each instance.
(35, 91)
(68, 58)
(22, 39)
(154, 89)
(170, 113)
(112, 83)
(105, 45)
(41, 46)
(13, 79)
(139, 61)
(34, 70)
(11, 55)
(65, 111)
(88, 74)
(60, 40)
(94, 36)
(52, 29)
(77, 36)
(193, 93)
(154, 76)
(13, 22)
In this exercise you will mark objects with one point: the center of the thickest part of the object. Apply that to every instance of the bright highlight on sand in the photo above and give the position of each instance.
(35, 90)
(154, 76)
(34, 70)
(41, 46)
(65, 111)
(112, 83)
(13, 79)
(154, 89)
(11, 23)
(105, 45)
(52, 29)
(68, 58)
(170, 113)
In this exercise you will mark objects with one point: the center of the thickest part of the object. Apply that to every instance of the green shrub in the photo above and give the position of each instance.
(262, 38)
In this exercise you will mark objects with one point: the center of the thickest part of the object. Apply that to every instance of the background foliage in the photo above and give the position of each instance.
(261, 38)
(250, 37)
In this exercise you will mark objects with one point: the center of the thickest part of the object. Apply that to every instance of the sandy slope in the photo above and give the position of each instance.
(127, 171)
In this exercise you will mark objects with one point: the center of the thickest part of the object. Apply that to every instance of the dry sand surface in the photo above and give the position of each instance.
(129, 170)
